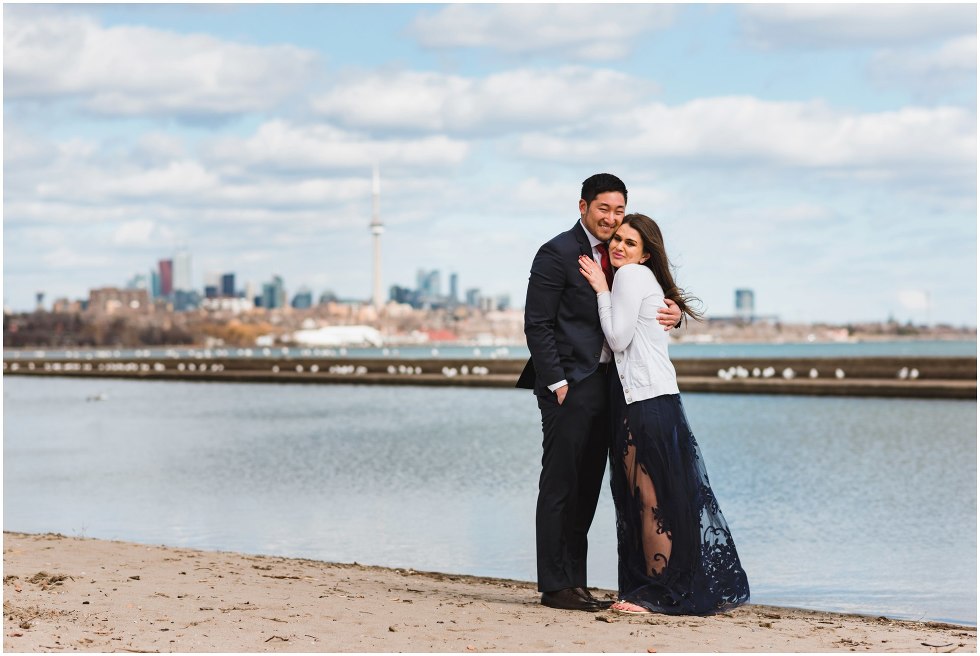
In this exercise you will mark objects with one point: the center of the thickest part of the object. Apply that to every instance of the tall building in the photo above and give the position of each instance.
(404, 295)
(182, 271)
(744, 304)
(453, 288)
(274, 294)
(376, 229)
(155, 284)
(303, 299)
(166, 277)
(428, 284)
(212, 285)
(228, 284)
(39, 297)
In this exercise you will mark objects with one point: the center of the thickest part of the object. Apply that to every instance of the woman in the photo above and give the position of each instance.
(676, 554)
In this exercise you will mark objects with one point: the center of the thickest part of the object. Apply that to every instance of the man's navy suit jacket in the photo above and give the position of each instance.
(561, 315)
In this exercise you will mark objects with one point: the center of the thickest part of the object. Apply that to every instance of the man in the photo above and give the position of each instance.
(568, 372)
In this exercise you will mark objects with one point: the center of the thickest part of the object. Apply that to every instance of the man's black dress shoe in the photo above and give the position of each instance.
(569, 599)
(585, 594)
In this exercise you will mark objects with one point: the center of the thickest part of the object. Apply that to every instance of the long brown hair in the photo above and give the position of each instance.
(653, 244)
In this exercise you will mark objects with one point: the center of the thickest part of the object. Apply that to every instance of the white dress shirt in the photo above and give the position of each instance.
(606, 354)
(628, 316)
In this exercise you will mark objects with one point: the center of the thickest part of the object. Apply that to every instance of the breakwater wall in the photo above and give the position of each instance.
(910, 377)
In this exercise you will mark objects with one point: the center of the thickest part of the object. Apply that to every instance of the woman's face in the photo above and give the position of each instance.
(626, 247)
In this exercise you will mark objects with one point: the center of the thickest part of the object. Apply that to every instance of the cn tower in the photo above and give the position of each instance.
(376, 229)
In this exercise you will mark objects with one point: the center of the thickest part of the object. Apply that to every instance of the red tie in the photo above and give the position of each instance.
(604, 263)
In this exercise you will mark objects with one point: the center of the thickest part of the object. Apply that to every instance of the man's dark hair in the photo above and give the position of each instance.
(600, 183)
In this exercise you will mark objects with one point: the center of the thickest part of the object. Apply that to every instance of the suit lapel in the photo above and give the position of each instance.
(585, 247)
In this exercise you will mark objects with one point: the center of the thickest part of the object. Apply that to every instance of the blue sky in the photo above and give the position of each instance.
(822, 155)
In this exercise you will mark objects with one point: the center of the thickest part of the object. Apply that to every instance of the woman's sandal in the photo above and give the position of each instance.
(626, 608)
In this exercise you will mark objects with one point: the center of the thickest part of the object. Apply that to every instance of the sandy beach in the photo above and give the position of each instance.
(78, 594)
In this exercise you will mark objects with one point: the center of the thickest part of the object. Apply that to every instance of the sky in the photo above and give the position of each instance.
(824, 156)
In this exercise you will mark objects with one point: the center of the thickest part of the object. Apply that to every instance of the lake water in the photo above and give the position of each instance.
(677, 350)
(845, 504)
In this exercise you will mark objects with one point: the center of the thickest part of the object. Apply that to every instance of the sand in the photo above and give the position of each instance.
(78, 594)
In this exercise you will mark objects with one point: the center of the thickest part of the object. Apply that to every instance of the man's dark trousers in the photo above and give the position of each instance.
(575, 447)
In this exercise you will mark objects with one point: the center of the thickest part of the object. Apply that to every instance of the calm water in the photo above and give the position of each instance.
(862, 505)
(685, 350)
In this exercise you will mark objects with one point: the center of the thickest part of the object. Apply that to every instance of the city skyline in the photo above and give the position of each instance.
(164, 283)
(822, 156)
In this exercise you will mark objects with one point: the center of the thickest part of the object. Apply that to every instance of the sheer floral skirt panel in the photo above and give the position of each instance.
(676, 552)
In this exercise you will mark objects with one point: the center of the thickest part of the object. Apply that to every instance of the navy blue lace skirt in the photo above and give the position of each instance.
(676, 553)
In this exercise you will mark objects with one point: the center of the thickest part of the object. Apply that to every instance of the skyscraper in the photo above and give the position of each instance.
(154, 283)
(744, 304)
(428, 283)
(303, 299)
(228, 284)
(166, 277)
(182, 271)
(453, 287)
(274, 294)
(376, 229)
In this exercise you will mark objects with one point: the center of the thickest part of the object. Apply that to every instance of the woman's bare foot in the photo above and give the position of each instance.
(627, 608)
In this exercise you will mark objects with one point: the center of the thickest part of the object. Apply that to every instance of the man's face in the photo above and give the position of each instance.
(603, 215)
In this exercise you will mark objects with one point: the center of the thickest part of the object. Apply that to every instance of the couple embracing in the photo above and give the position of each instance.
(606, 388)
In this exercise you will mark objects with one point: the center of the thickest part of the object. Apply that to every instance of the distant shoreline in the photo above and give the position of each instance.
(63, 593)
(689, 340)
(923, 377)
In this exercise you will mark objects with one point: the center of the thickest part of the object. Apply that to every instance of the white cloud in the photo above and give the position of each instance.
(859, 25)
(280, 167)
(186, 184)
(30, 210)
(281, 146)
(157, 148)
(510, 100)
(950, 67)
(134, 233)
(582, 31)
(537, 195)
(403, 100)
(20, 150)
(179, 179)
(68, 258)
(131, 70)
(745, 131)
(155, 190)
(796, 215)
